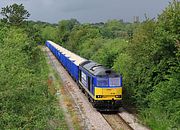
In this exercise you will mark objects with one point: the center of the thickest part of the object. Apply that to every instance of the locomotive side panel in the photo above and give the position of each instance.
(86, 81)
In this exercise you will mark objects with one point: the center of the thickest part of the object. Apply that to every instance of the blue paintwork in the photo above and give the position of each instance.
(92, 78)
(69, 65)
(65, 61)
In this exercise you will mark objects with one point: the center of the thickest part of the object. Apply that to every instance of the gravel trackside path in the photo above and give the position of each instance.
(91, 119)
(131, 120)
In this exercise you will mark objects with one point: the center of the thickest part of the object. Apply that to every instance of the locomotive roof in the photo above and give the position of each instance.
(97, 69)
(73, 57)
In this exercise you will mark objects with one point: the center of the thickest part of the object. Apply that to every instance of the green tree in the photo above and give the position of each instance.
(109, 51)
(166, 61)
(14, 14)
(79, 35)
(65, 27)
(114, 29)
(152, 77)
(24, 74)
(90, 46)
(50, 33)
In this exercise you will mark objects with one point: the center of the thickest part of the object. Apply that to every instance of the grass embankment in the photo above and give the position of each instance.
(65, 101)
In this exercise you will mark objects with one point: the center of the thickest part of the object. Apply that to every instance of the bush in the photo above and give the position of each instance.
(25, 102)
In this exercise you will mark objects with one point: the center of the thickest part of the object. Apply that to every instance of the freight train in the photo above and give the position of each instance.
(102, 86)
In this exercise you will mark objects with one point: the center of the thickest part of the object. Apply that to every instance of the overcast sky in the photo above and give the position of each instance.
(88, 11)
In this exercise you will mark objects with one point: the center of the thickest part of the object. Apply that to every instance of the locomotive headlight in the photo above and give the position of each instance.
(98, 96)
(118, 96)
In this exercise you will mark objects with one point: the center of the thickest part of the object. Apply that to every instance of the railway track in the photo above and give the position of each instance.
(116, 122)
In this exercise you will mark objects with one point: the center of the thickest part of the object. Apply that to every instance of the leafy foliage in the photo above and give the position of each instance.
(108, 56)
(14, 14)
(79, 34)
(114, 29)
(65, 27)
(50, 36)
(25, 102)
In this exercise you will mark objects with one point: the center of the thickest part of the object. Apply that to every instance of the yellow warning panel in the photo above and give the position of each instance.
(108, 93)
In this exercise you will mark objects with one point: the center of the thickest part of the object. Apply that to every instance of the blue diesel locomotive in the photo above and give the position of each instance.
(102, 86)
